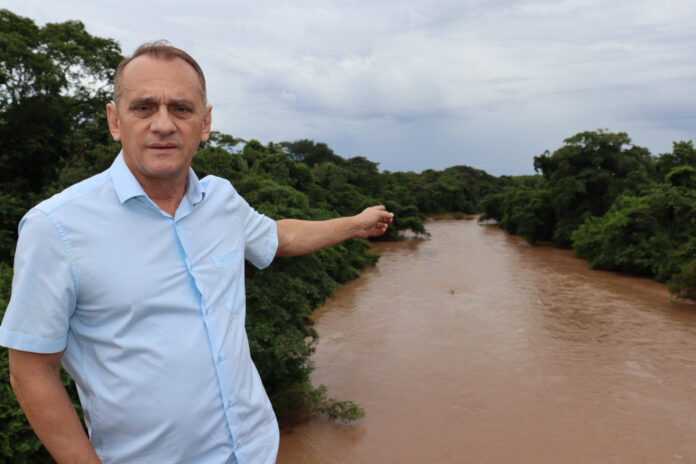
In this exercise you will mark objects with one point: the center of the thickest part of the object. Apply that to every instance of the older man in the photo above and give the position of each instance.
(134, 280)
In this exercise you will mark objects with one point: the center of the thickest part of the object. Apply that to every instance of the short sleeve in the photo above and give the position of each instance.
(44, 288)
(261, 237)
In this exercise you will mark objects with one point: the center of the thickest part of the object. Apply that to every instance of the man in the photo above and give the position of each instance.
(134, 280)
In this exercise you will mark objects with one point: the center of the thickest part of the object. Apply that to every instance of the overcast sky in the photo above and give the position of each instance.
(418, 84)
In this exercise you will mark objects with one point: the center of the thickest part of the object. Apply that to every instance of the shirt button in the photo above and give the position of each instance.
(219, 358)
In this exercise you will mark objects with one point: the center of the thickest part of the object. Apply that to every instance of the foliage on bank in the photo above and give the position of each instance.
(54, 83)
(614, 203)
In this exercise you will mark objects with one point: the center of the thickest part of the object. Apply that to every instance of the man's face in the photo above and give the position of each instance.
(160, 120)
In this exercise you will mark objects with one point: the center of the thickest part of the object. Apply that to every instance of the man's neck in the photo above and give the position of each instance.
(165, 193)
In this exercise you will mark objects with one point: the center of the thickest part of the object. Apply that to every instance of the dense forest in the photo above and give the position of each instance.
(613, 203)
(54, 83)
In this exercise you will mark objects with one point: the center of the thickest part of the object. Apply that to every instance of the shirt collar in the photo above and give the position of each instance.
(127, 186)
(195, 191)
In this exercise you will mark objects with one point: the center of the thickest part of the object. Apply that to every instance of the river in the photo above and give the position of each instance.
(474, 347)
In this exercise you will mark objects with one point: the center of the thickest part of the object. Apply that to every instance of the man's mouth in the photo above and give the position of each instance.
(162, 147)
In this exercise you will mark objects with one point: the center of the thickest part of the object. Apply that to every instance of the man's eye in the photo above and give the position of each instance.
(183, 111)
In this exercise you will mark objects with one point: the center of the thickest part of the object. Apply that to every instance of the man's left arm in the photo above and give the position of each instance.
(296, 237)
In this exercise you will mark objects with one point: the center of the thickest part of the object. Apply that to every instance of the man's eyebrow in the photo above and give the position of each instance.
(181, 102)
(155, 101)
(143, 101)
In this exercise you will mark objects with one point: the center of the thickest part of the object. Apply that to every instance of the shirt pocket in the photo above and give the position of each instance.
(230, 279)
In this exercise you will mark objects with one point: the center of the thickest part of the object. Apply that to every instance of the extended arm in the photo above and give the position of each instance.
(297, 237)
(35, 379)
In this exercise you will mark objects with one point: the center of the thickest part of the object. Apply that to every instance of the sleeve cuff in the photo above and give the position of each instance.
(265, 258)
(23, 342)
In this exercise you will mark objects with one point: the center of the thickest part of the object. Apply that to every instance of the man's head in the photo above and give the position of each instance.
(160, 49)
(159, 113)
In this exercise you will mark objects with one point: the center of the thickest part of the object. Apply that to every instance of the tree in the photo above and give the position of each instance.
(54, 83)
(307, 151)
(683, 154)
(649, 234)
(522, 211)
(226, 141)
(588, 173)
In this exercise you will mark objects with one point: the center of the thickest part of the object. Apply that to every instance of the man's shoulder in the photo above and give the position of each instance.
(74, 193)
(217, 185)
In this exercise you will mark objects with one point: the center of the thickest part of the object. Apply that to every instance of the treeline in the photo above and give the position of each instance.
(54, 84)
(613, 203)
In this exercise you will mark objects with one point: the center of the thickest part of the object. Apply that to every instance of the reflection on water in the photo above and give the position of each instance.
(475, 347)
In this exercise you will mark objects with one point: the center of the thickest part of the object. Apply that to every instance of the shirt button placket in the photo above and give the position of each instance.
(187, 262)
(208, 324)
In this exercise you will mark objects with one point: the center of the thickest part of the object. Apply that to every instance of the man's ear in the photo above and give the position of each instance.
(112, 118)
(207, 119)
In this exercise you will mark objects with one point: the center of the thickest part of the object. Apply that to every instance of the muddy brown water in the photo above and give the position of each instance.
(474, 347)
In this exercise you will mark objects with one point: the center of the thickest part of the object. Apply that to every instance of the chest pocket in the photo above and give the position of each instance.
(230, 282)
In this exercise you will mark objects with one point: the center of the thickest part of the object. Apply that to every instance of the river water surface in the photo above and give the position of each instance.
(474, 347)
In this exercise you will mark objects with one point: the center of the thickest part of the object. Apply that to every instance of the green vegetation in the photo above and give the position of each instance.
(613, 203)
(54, 83)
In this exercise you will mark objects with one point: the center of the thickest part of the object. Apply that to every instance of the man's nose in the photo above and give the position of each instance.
(162, 121)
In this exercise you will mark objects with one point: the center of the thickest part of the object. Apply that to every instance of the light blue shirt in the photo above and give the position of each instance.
(150, 311)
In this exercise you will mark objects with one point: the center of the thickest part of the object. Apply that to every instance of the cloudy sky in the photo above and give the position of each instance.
(418, 84)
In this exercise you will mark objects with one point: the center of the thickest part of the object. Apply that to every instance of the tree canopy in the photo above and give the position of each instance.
(614, 203)
(54, 83)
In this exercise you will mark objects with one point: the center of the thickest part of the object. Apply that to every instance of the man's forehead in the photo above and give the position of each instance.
(154, 78)
(159, 91)
(151, 61)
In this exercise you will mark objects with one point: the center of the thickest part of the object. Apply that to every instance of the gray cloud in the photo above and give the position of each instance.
(416, 85)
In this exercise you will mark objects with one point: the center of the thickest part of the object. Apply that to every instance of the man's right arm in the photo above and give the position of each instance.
(35, 379)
